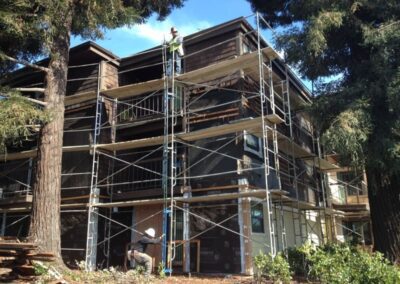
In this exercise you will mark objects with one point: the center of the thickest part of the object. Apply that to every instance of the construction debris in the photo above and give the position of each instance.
(20, 256)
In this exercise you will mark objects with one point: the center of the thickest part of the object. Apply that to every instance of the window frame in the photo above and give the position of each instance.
(259, 218)
(248, 148)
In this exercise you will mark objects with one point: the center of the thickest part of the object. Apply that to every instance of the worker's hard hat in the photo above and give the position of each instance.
(173, 30)
(151, 232)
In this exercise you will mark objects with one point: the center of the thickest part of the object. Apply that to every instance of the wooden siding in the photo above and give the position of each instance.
(82, 79)
(203, 53)
(109, 76)
(142, 70)
(77, 185)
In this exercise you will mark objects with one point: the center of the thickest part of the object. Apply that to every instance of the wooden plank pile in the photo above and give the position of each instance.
(19, 255)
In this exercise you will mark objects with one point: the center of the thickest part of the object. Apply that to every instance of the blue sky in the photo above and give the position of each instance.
(195, 15)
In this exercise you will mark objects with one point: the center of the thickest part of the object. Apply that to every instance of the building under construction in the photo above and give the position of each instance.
(222, 158)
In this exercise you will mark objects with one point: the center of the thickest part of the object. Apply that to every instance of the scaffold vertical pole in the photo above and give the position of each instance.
(92, 226)
(263, 99)
(165, 160)
(169, 161)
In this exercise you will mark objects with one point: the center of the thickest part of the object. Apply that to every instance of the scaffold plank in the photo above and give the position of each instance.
(300, 204)
(201, 75)
(236, 126)
(134, 89)
(33, 153)
(6, 201)
(80, 98)
(321, 164)
(18, 156)
(252, 125)
(260, 193)
(225, 67)
(27, 208)
(274, 118)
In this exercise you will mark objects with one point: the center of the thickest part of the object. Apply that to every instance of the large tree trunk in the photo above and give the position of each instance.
(384, 199)
(45, 216)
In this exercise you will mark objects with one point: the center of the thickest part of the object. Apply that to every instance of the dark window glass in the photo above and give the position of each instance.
(257, 218)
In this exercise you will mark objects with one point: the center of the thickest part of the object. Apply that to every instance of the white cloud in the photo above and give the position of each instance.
(156, 31)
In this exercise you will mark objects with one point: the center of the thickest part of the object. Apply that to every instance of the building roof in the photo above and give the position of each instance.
(88, 52)
(236, 24)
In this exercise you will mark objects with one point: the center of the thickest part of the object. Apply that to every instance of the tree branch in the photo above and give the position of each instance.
(388, 25)
(39, 102)
(40, 90)
(24, 62)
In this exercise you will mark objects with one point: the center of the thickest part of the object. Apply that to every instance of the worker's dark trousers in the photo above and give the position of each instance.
(144, 259)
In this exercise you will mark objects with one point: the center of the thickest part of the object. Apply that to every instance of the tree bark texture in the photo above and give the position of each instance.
(45, 216)
(384, 199)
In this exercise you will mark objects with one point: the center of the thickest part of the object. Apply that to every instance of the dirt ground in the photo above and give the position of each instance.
(107, 277)
(207, 279)
(118, 277)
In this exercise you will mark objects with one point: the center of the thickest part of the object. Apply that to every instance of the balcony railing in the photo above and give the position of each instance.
(140, 108)
(351, 194)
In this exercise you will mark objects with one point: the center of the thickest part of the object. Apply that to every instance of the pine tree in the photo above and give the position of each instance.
(352, 50)
(20, 119)
(30, 29)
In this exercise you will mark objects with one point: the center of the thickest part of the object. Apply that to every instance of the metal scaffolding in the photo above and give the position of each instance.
(166, 100)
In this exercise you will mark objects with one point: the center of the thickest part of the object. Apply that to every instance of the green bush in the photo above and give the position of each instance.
(275, 268)
(298, 262)
(340, 263)
(161, 270)
(40, 268)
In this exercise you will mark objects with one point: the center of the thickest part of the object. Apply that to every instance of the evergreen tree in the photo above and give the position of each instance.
(20, 119)
(36, 28)
(355, 47)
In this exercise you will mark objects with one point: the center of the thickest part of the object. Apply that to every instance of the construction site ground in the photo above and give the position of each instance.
(109, 277)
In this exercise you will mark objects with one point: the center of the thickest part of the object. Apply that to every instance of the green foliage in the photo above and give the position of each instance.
(297, 261)
(350, 130)
(29, 29)
(340, 263)
(18, 35)
(20, 119)
(161, 270)
(351, 52)
(40, 269)
(358, 43)
(315, 35)
(275, 268)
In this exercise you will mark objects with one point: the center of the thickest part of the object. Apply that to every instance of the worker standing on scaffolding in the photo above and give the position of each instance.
(175, 53)
(138, 250)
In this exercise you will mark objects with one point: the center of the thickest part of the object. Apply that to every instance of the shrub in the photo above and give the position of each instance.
(340, 263)
(297, 261)
(161, 270)
(374, 268)
(275, 268)
(40, 268)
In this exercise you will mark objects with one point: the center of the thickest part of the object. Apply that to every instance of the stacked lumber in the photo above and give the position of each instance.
(19, 255)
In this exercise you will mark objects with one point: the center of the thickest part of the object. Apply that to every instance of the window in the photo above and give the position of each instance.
(252, 144)
(246, 48)
(257, 218)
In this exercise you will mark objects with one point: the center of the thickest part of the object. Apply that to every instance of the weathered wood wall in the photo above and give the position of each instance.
(203, 53)
(82, 79)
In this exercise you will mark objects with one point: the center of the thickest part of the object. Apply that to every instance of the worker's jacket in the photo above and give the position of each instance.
(176, 44)
(141, 245)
